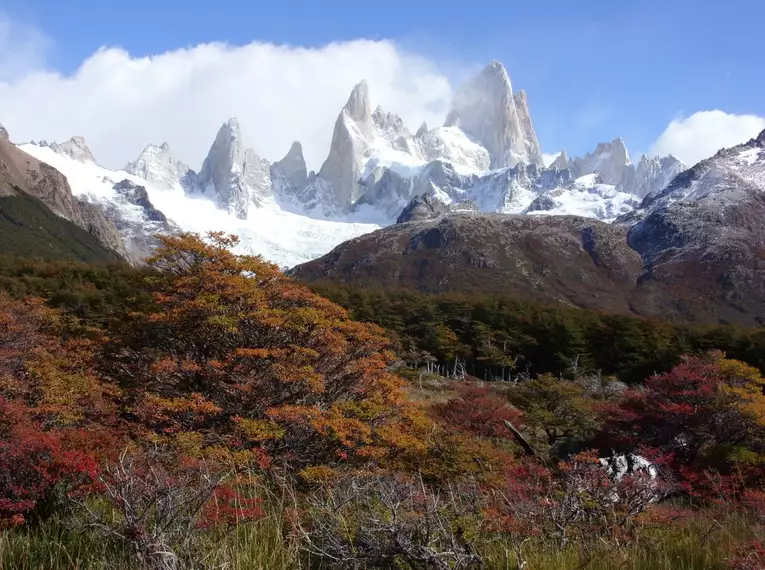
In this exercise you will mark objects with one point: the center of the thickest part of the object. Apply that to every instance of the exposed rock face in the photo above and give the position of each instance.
(157, 165)
(140, 224)
(450, 144)
(138, 196)
(235, 175)
(20, 172)
(4, 133)
(75, 148)
(422, 208)
(543, 203)
(612, 164)
(354, 129)
(290, 175)
(652, 175)
(488, 112)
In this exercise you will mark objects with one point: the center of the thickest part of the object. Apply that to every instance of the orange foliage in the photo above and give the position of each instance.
(238, 352)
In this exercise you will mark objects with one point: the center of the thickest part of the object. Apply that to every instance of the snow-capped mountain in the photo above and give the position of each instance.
(486, 154)
(134, 207)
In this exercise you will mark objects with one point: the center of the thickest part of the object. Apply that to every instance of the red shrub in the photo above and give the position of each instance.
(477, 411)
(33, 463)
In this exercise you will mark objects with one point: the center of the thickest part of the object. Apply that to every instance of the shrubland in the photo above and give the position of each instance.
(209, 412)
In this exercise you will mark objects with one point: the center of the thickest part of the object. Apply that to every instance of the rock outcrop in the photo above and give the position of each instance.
(422, 208)
(74, 148)
(561, 162)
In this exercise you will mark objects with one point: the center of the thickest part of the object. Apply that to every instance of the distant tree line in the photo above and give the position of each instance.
(495, 338)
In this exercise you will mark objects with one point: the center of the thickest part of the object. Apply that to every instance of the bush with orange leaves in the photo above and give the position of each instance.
(238, 359)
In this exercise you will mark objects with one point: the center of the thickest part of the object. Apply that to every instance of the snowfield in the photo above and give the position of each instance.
(281, 237)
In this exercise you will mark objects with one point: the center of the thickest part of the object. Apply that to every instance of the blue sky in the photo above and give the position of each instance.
(593, 69)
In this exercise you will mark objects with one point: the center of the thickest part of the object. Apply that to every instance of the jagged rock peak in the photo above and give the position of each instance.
(4, 133)
(560, 162)
(422, 130)
(610, 160)
(486, 110)
(74, 148)
(290, 173)
(236, 175)
(358, 107)
(760, 140)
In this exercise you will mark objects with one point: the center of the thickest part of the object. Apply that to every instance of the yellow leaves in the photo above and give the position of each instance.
(259, 430)
(259, 353)
(319, 475)
(737, 373)
(196, 406)
(225, 322)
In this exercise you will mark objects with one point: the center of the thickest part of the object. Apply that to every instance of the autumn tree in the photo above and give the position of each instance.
(561, 410)
(237, 355)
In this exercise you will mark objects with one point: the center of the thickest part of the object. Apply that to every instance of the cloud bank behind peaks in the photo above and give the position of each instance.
(704, 133)
(121, 103)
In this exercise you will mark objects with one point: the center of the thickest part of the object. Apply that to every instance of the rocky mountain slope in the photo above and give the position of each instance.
(694, 252)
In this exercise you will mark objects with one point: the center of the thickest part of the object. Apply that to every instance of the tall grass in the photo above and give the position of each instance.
(67, 542)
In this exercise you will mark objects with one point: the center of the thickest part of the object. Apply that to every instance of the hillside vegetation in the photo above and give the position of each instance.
(29, 228)
(209, 412)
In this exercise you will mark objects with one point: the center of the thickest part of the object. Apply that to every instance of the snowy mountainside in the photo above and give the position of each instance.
(279, 236)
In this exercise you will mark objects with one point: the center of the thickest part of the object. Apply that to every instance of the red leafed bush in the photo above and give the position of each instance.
(477, 411)
(34, 463)
(229, 507)
(707, 415)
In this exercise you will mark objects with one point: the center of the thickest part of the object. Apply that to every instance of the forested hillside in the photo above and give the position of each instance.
(29, 228)
(497, 337)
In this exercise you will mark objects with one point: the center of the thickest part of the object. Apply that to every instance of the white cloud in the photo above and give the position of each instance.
(120, 103)
(702, 134)
(549, 158)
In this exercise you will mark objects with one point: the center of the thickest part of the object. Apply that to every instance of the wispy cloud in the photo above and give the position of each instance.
(23, 47)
